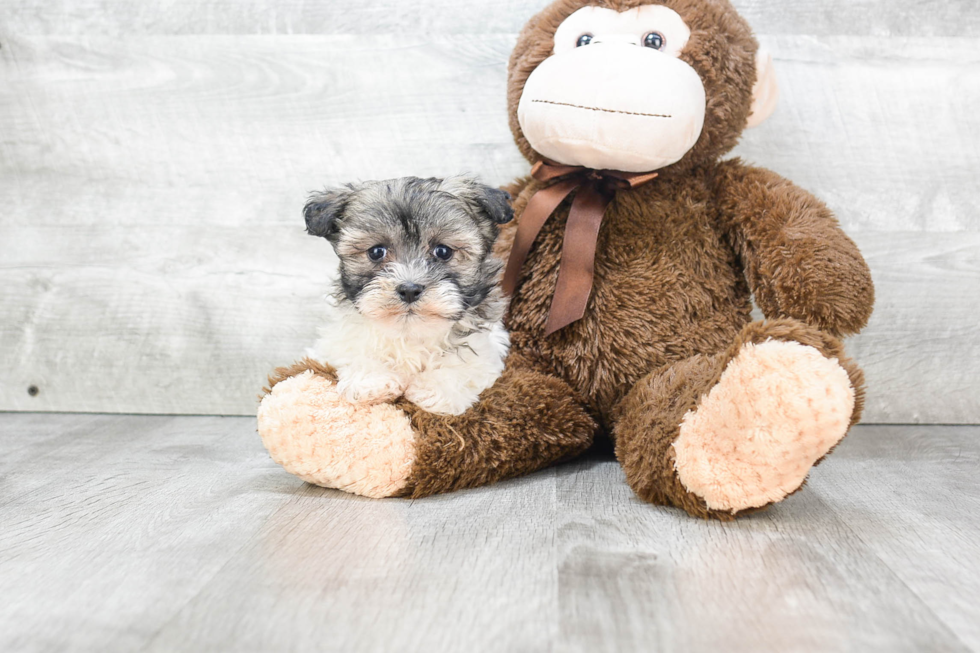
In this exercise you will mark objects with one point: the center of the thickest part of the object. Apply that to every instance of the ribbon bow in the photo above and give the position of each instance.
(577, 268)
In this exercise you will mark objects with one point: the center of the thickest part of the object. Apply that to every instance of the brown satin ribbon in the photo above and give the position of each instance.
(596, 189)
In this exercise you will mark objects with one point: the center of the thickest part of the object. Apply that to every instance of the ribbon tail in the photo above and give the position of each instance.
(538, 210)
(577, 267)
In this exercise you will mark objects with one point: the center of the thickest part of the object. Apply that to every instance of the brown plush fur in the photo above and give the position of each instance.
(676, 265)
(678, 260)
(650, 415)
(280, 374)
(523, 400)
(797, 260)
(526, 421)
(674, 273)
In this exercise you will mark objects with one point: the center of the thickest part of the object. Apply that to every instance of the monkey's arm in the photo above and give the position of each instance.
(527, 420)
(797, 260)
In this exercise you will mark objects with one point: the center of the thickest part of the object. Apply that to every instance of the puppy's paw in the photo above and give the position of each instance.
(434, 393)
(368, 386)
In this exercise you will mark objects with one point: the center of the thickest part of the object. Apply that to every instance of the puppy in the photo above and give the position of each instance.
(419, 308)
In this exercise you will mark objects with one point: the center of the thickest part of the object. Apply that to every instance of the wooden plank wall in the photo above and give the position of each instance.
(154, 157)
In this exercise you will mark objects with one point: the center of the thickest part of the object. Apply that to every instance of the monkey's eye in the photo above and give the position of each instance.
(442, 252)
(585, 39)
(377, 253)
(654, 40)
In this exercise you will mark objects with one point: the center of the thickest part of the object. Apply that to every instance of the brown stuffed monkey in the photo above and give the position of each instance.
(631, 291)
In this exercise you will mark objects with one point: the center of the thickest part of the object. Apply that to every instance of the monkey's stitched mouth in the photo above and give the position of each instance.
(579, 106)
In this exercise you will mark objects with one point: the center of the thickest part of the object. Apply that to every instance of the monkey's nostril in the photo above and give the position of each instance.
(409, 292)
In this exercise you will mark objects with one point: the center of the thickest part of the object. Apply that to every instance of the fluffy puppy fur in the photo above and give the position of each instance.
(418, 305)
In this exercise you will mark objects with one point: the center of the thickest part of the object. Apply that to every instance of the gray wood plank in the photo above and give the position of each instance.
(24, 434)
(163, 127)
(147, 332)
(127, 533)
(151, 252)
(848, 130)
(911, 497)
(795, 578)
(122, 17)
(112, 536)
(199, 333)
(113, 526)
(216, 129)
(904, 18)
(921, 348)
(467, 572)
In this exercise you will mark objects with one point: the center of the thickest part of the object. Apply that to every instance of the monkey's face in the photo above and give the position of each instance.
(615, 95)
(635, 87)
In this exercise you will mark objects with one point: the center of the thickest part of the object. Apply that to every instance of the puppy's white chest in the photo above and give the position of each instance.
(428, 364)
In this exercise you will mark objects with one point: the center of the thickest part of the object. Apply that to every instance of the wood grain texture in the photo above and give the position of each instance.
(877, 490)
(921, 349)
(144, 512)
(198, 333)
(125, 533)
(151, 249)
(121, 17)
(795, 578)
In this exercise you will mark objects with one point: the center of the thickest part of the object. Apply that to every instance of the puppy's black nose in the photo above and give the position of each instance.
(409, 292)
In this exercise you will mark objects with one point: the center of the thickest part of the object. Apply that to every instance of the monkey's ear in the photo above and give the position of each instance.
(496, 204)
(765, 93)
(323, 210)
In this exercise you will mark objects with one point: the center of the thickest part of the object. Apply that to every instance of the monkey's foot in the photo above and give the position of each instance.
(319, 436)
(778, 408)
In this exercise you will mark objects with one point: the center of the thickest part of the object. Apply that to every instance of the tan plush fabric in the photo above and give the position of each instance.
(319, 436)
(615, 126)
(777, 409)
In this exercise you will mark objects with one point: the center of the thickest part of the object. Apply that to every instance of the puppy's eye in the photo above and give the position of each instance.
(654, 40)
(585, 39)
(377, 253)
(442, 252)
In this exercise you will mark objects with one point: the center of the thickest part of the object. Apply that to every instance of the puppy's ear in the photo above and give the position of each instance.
(496, 204)
(323, 210)
(491, 203)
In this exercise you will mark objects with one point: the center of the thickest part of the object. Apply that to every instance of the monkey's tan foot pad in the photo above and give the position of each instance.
(778, 408)
(319, 436)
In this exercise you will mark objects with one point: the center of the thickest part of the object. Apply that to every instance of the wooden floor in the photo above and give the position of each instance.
(123, 533)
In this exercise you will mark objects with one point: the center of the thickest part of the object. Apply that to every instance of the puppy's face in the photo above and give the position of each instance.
(412, 249)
